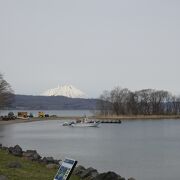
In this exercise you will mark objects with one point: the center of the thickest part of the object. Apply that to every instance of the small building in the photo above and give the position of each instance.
(41, 114)
(22, 114)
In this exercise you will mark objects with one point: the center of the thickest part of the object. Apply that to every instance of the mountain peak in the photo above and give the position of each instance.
(67, 90)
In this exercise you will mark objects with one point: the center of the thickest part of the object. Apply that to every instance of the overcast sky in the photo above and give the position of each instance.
(92, 44)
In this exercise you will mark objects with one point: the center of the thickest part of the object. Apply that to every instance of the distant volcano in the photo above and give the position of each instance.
(65, 90)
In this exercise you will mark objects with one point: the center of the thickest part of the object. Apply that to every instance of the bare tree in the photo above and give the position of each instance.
(104, 105)
(132, 104)
(178, 105)
(158, 100)
(6, 93)
(121, 101)
(174, 105)
(143, 98)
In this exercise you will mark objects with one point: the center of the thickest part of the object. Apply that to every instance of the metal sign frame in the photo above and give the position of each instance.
(66, 169)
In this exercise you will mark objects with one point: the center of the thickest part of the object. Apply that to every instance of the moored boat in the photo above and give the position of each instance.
(68, 123)
(86, 124)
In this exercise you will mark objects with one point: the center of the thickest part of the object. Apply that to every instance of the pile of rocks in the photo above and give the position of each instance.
(92, 174)
(32, 155)
(89, 173)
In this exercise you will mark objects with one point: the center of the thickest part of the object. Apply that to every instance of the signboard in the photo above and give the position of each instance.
(65, 170)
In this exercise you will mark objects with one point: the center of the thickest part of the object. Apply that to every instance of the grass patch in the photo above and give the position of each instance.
(29, 170)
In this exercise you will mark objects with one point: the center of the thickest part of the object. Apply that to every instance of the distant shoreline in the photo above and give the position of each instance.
(138, 117)
(104, 118)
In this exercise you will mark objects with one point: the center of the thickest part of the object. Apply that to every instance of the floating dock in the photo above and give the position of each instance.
(111, 121)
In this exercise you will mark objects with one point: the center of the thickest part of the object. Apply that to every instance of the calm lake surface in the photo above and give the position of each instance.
(145, 150)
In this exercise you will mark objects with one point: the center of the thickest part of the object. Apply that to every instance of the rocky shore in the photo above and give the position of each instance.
(51, 163)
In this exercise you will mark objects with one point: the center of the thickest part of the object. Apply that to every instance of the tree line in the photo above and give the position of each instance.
(122, 101)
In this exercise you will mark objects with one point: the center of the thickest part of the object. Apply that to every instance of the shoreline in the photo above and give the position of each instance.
(17, 158)
(99, 118)
(138, 117)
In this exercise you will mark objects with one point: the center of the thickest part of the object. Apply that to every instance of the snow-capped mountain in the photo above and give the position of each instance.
(65, 90)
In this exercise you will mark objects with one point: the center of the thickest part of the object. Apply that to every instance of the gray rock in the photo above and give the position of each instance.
(52, 166)
(31, 155)
(48, 160)
(57, 161)
(16, 150)
(36, 157)
(89, 173)
(10, 149)
(2, 177)
(31, 151)
(79, 170)
(14, 164)
(108, 176)
(26, 154)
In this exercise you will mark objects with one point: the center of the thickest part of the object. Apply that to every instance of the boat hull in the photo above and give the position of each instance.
(85, 124)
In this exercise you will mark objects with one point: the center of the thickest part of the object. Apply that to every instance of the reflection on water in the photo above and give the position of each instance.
(145, 150)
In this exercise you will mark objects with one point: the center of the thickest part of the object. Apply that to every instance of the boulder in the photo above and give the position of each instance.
(57, 161)
(28, 153)
(16, 150)
(47, 160)
(14, 164)
(10, 149)
(108, 176)
(2, 177)
(31, 151)
(79, 170)
(50, 160)
(36, 157)
(89, 173)
(52, 166)
(31, 155)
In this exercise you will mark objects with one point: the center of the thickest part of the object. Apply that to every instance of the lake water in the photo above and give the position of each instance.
(145, 150)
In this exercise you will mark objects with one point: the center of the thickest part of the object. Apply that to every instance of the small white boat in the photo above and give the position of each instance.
(86, 124)
(68, 123)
